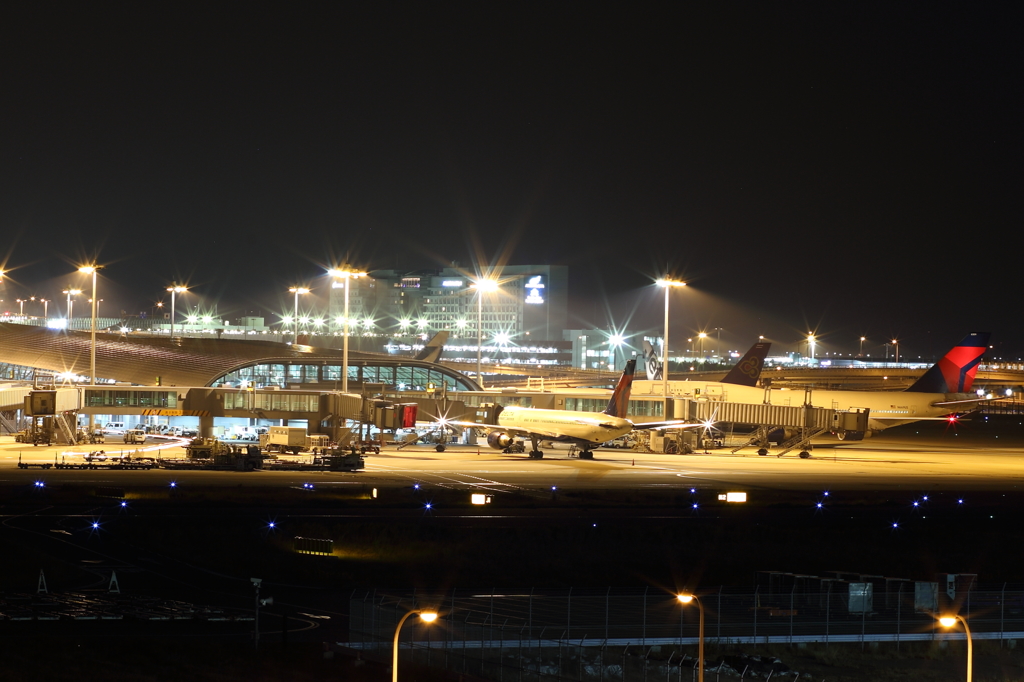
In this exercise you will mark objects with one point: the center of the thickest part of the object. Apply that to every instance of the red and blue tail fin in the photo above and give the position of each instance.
(955, 372)
(748, 370)
(620, 396)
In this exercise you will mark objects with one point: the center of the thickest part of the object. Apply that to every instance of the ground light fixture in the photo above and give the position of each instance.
(426, 616)
(950, 621)
(685, 598)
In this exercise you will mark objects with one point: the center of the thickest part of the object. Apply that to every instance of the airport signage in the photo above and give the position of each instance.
(535, 289)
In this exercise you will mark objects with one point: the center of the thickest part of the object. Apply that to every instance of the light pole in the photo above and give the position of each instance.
(810, 344)
(702, 336)
(175, 289)
(482, 286)
(348, 275)
(896, 348)
(861, 353)
(426, 617)
(46, 309)
(92, 270)
(950, 621)
(70, 292)
(686, 598)
(297, 291)
(21, 307)
(667, 285)
(718, 342)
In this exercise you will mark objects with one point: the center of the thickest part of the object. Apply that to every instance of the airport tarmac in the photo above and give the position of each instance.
(918, 457)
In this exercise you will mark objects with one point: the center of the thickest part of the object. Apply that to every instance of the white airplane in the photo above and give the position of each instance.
(942, 391)
(584, 429)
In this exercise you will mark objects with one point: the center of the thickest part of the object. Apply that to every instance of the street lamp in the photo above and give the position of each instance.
(297, 291)
(175, 289)
(686, 598)
(46, 309)
(426, 617)
(896, 347)
(482, 286)
(21, 307)
(950, 621)
(810, 344)
(348, 275)
(702, 336)
(666, 284)
(92, 270)
(862, 340)
(70, 293)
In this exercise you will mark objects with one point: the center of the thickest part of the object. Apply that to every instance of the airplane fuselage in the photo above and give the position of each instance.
(591, 428)
(901, 407)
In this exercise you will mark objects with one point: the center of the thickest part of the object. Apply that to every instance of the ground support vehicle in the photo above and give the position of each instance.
(291, 439)
(210, 453)
(334, 460)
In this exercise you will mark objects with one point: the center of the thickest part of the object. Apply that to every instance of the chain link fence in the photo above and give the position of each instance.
(623, 634)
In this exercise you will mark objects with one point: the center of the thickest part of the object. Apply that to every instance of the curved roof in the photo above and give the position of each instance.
(171, 362)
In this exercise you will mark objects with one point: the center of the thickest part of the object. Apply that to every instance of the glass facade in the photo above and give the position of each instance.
(395, 378)
(114, 398)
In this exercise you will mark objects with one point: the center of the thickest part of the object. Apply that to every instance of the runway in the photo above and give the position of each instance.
(918, 457)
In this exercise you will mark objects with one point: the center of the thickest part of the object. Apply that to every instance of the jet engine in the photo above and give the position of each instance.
(499, 440)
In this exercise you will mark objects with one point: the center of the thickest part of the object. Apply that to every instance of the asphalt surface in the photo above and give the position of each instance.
(925, 456)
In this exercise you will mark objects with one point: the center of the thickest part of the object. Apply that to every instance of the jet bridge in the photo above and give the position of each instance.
(799, 424)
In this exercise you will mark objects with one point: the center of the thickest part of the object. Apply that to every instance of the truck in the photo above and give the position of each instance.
(291, 439)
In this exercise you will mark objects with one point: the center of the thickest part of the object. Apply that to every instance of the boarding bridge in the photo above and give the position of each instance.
(803, 422)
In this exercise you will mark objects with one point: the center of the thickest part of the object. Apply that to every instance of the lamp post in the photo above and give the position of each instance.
(686, 598)
(950, 621)
(175, 289)
(21, 307)
(861, 352)
(426, 617)
(92, 270)
(666, 284)
(810, 344)
(348, 275)
(70, 292)
(702, 336)
(46, 309)
(896, 348)
(482, 286)
(295, 319)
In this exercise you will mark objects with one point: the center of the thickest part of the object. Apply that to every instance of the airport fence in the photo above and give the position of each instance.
(624, 634)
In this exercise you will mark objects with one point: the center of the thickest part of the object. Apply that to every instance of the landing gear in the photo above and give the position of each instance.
(536, 454)
(762, 451)
(850, 435)
(439, 447)
(586, 454)
(804, 454)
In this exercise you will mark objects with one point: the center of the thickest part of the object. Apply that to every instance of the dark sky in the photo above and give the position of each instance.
(853, 170)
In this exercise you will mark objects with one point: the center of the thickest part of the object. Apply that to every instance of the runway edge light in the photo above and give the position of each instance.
(732, 497)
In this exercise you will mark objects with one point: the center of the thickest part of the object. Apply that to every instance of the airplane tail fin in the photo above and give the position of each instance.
(433, 348)
(955, 372)
(748, 370)
(651, 362)
(620, 396)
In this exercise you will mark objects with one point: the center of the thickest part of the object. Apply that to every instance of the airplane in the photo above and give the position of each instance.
(746, 372)
(586, 430)
(942, 391)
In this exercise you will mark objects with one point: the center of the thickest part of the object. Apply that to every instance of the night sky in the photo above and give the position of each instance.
(850, 170)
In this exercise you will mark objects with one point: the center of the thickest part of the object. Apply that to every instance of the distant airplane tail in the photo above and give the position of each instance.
(748, 370)
(955, 372)
(620, 396)
(432, 350)
(651, 362)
